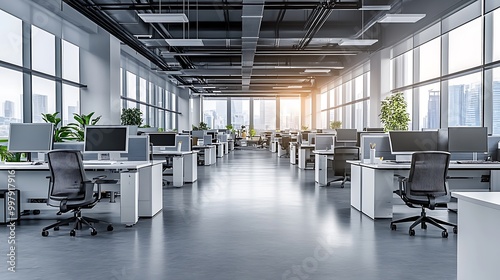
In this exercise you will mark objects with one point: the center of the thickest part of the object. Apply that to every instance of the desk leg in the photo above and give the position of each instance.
(356, 188)
(129, 189)
(150, 190)
(321, 169)
(190, 168)
(495, 180)
(178, 171)
(376, 196)
(302, 158)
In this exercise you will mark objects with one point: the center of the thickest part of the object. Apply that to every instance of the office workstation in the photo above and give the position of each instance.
(374, 181)
(139, 182)
(254, 77)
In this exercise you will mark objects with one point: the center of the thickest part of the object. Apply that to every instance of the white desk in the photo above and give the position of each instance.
(305, 152)
(219, 149)
(293, 152)
(231, 144)
(184, 166)
(140, 186)
(478, 228)
(321, 165)
(374, 183)
(208, 153)
(226, 147)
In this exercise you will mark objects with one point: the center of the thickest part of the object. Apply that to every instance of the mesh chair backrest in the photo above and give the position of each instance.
(66, 170)
(428, 173)
(341, 155)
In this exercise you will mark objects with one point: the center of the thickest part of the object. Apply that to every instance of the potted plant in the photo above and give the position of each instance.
(335, 124)
(82, 121)
(393, 112)
(61, 133)
(304, 127)
(252, 132)
(131, 116)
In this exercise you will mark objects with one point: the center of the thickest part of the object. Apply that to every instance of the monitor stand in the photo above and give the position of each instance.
(474, 156)
(403, 157)
(108, 156)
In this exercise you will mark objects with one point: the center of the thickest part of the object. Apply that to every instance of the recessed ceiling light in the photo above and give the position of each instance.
(401, 18)
(185, 42)
(164, 18)
(216, 91)
(316, 70)
(375, 8)
(143, 36)
(294, 86)
(357, 42)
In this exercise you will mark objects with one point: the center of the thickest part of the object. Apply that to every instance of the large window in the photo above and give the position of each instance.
(429, 60)
(43, 98)
(465, 101)
(429, 106)
(290, 113)
(70, 62)
(11, 48)
(215, 113)
(496, 35)
(43, 51)
(402, 69)
(71, 103)
(11, 96)
(496, 101)
(143, 98)
(131, 89)
(240, 112)
(264, 114)
(465, 46)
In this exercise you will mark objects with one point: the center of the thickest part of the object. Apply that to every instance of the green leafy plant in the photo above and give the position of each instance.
(203, 126)
(83, 120)
(393, 112)
(252, 132)
(335, 124)
(61, 133)
(230, 127)
(304, 127)
(131, 116)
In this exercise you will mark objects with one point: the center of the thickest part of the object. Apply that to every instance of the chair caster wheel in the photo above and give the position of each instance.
(93, 232)
(411, 232)
(56, 228)
(36, 212)
(45, 233)
(444, 234)
(72, 232)
(393, 227)
(455, 230)
(109, 228)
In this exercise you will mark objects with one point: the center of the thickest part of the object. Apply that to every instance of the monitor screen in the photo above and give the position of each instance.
(106, 139)
(467, 139)
(347, 135)
(162, 139)
(407, 142)
(30, 137)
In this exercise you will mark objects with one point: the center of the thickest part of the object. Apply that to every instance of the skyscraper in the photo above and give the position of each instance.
(433, 109)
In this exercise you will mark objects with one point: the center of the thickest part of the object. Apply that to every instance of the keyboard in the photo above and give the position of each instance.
(477, 162)
(99, 162)
(399, 161)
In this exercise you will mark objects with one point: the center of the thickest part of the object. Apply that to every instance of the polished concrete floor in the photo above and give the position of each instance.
(250, 216)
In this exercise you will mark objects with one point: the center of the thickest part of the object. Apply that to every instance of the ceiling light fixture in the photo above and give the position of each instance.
(164, 18)
(316, 70)
(375, 8)
(357, 42)
(401, 18)
(143, 36)
(185, 42)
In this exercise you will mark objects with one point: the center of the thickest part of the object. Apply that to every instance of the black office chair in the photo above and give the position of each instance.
(426, 187)
(71, 191)
(285, 145)
(342, 169)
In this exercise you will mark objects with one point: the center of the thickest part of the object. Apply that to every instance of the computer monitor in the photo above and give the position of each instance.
(324, 142)
(467, 139)
(408, 142)
(30, 138)
(374, 129)
(107, 141)
(162, 140)
(347, 135)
